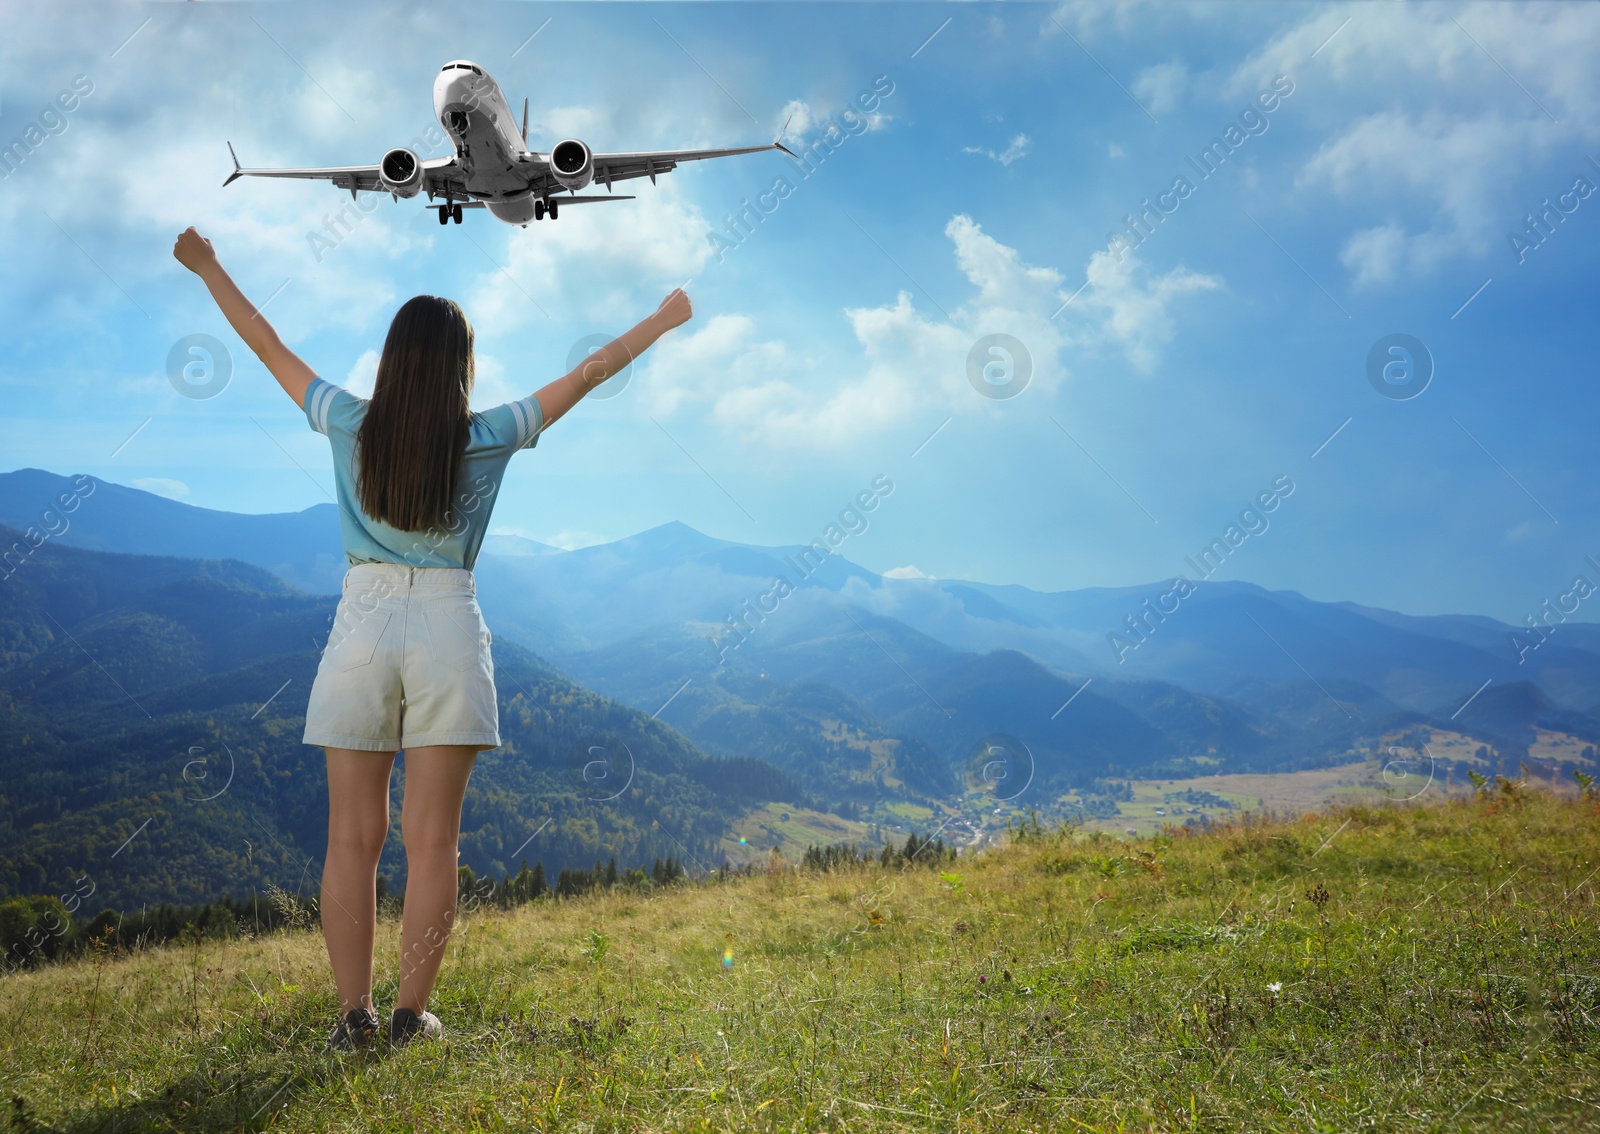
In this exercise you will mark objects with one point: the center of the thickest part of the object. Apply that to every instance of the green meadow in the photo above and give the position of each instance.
(1424, 968)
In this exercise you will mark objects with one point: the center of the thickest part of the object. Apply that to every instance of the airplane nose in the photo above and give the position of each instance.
(452, 94)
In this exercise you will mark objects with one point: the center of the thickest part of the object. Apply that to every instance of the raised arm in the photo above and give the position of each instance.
(194, 252)
(567, 391)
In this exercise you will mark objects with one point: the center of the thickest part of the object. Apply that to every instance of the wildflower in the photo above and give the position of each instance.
(1275, 987)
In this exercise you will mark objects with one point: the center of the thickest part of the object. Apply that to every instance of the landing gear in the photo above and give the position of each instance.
(541, 208)
(456, 210)
(447, 212)
(538, 210)
(552, 210)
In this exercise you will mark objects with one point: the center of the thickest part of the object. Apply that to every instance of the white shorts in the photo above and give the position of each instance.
(407, 663)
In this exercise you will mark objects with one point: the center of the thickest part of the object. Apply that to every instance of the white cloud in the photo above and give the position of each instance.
(1083, 17)
(907, 572)
(1161, 87)
(913, 364)
(1374, 255)
(800, 117)
(558, 122)
(1549, 49)
(1451, 132)
(722, 362)
(492, 386)
(1017, 149)
(1518, 532)
(161, 486)
(1458, 167)
(806, 123)
(359, 381)
(252, 222)
(604, 264)
(568, 539)
(1132, 313)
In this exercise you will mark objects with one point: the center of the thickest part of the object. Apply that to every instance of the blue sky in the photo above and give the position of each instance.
(1181, 380)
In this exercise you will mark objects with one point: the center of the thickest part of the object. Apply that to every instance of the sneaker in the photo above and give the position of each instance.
(357, 1028)
(405, 1025)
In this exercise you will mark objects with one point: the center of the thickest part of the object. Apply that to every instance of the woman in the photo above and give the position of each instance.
(407, 665)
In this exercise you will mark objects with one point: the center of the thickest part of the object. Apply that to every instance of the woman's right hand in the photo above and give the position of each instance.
(674, 310)
(193, 251)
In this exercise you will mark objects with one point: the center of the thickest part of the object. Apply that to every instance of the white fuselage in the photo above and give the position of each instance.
(488, 142)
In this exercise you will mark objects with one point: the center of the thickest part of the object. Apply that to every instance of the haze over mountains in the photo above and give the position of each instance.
(851, 690)
(673, 586)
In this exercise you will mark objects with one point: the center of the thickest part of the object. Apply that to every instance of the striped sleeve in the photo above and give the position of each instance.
(327, 404)
(517, 424)
(318, 395)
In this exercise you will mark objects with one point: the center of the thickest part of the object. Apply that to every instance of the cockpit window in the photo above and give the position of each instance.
(460, 67)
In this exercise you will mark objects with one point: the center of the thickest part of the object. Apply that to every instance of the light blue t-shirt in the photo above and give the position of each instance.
(495, 435)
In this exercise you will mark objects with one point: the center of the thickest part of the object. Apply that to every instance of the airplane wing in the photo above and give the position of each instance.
(574, 200)
(563, 200)
(648, 163)
(445, 176)
(437, 174)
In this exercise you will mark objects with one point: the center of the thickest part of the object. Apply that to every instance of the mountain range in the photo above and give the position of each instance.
(835, 686)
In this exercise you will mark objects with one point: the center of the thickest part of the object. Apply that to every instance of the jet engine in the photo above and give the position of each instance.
(572, 163)
(401, 172)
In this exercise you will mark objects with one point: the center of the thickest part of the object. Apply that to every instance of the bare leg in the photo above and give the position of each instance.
(358, 821)
(430, 822)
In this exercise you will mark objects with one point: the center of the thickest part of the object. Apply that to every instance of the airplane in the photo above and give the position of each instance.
(492, 167)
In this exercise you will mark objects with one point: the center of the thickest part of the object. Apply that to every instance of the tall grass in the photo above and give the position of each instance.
(1424, 968)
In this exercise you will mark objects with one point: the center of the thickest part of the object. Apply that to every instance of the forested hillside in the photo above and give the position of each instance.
(151, 712)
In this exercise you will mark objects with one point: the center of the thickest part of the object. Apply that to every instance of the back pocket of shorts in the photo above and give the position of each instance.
(453, 643)
(355, 638)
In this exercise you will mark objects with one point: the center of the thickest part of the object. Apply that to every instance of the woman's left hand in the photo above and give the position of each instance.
(675, 310)
(193, 251)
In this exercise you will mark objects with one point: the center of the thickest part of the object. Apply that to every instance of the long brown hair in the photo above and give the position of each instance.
(419, 419)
